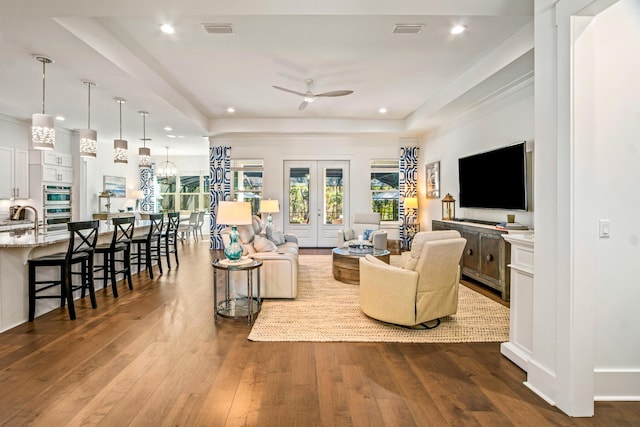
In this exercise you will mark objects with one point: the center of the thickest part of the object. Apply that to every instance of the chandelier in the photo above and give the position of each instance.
(167, 169)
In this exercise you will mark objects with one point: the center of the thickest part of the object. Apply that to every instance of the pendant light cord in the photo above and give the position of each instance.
(43, 83)
(144, 130)
(89, 108)
(120, 102)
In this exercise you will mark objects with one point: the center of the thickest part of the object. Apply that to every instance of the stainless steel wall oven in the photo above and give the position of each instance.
(57, 207)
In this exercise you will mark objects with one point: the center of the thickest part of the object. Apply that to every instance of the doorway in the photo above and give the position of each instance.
(316, 194)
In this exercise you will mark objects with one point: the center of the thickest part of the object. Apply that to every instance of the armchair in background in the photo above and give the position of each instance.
(425, 288)
(366, 225)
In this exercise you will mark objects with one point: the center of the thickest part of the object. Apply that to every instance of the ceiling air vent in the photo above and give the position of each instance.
(218, 28)
(407, 28)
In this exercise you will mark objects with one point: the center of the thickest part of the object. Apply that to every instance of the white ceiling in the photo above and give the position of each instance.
(188, 79)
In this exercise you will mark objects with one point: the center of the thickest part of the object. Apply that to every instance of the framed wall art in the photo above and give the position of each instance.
(117, 185)
(433, 180)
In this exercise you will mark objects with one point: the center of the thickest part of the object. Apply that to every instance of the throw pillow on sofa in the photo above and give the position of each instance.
(262, 244)
(276, 236)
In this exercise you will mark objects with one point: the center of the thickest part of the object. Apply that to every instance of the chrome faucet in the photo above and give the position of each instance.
(35, 216)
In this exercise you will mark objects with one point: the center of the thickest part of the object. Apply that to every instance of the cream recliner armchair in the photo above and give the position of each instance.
(359, 226)
(425, 287)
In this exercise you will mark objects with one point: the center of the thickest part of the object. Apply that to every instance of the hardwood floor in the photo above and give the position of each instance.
(155, 357)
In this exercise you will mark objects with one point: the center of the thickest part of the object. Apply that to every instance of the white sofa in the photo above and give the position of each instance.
(279, 272)
(359, 225)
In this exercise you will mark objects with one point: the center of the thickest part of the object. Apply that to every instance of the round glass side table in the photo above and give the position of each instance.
(239, 306)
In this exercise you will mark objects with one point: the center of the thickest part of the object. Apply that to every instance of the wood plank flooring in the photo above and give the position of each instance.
(155, 357)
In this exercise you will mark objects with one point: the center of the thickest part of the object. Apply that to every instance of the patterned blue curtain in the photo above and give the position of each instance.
(408, 188)
(220, 188)
(147, 179)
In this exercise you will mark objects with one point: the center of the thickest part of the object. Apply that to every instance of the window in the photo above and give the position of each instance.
(187, 193)
(385, 188)
(247, 182)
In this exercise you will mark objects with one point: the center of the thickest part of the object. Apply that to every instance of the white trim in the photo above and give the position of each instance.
(617, 384)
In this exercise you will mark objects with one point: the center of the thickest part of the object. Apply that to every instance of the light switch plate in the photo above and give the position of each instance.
(605, 228)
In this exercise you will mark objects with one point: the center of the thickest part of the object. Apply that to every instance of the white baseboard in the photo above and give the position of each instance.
(541, 381)
(617, 384)
(516, 355)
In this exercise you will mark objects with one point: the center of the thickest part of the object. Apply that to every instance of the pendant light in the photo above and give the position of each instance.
(88, 136)
(167, 169)
(43, 132)
(120, 145)
(144, 153)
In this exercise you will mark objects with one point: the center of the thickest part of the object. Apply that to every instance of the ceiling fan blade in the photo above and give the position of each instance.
(336, 93)
(303, 105)
(288, 90)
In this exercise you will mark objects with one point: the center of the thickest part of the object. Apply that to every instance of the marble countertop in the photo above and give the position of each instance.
(27, 239)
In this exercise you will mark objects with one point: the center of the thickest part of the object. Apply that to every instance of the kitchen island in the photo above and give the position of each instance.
(16, 248)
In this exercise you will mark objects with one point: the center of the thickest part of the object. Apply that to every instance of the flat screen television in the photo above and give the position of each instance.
(495, 179)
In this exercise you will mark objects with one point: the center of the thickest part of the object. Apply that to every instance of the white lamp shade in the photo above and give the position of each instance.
(43, 132)
(120, 151)
(411, 202)
(234, 213)
(269, 206)
(144, 157)
(88, 143)
(136, 194)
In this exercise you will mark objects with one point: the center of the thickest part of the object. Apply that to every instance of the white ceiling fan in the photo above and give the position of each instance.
(310, 96)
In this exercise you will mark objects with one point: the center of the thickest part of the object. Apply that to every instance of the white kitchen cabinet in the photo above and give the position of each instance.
(16, 164)
(56, 159)
(52, 167)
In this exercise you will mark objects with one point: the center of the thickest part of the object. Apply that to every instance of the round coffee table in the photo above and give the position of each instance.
(346, 264)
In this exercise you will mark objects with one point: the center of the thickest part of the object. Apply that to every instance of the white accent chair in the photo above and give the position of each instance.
(425, 288)
(185, 229)
(360, 224)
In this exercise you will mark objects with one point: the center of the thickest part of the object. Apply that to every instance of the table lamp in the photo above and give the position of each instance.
(411, 202)
(233, 214)
(269, 206)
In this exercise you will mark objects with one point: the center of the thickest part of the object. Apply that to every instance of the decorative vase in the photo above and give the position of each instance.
(234, 249)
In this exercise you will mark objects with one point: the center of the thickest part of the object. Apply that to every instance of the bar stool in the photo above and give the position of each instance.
(120, 243)
(148, 246)
(169, 237)
(82, 242)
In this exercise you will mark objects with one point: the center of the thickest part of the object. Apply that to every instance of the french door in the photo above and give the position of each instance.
(316, 200)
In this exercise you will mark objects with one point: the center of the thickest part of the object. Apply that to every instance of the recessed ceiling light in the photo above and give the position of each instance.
(231, 110)
(170, 136)
(382, 110)
(167, 29)
(457, 29)
(180, 136)
(168, 128)
(60, 118)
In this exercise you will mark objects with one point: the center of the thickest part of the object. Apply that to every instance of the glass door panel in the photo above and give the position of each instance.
(299, 195)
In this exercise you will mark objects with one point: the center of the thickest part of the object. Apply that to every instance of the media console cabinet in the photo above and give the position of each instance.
(486, 254)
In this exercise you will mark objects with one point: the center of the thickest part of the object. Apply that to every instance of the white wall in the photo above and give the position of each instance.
(617, 178)
(359, 150)
(503, 121)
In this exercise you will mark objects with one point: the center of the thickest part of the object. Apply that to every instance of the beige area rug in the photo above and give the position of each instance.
(328, 310)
